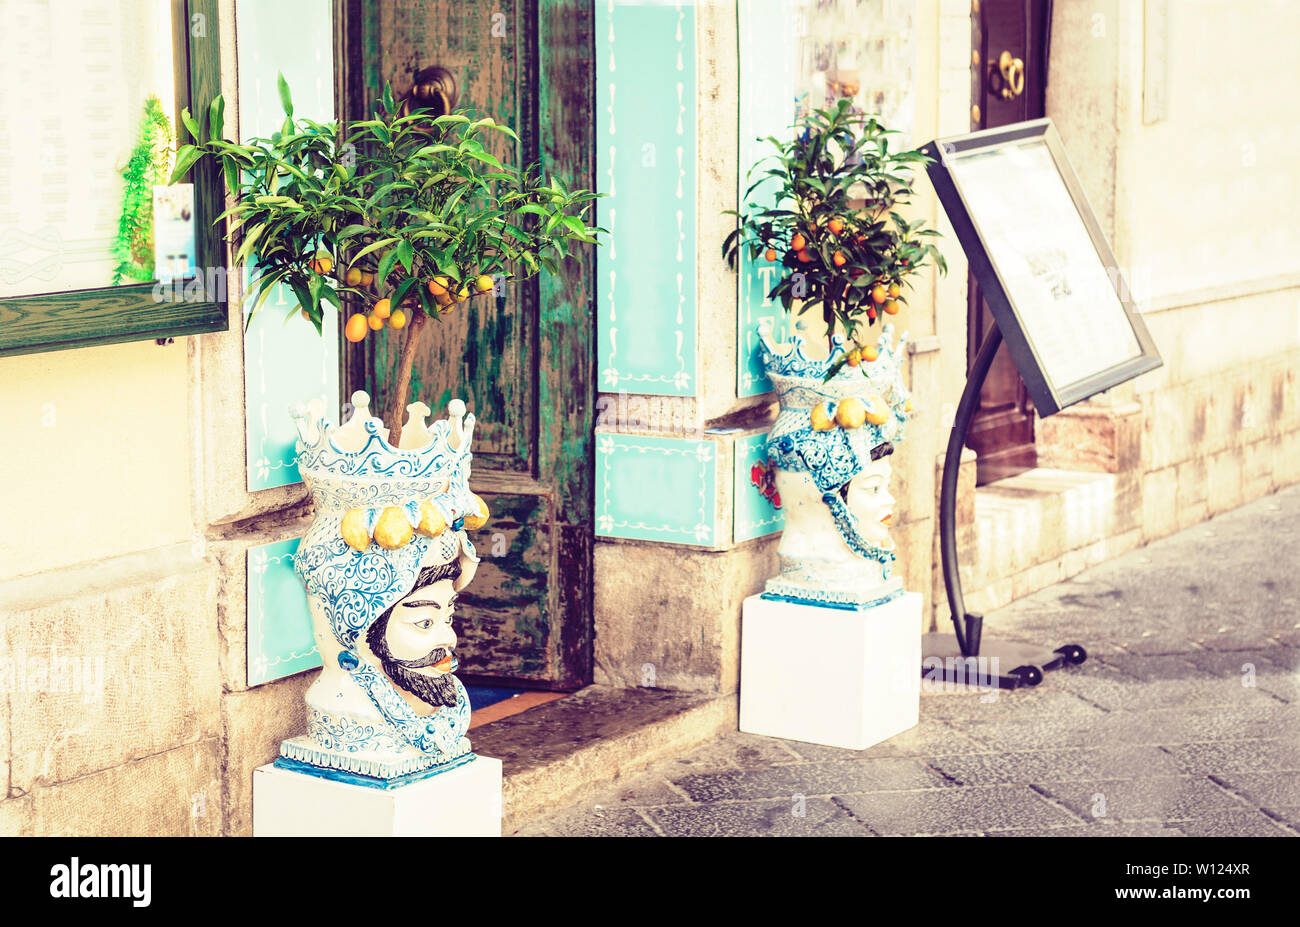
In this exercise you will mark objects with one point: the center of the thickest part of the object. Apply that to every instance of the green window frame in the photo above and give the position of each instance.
(109, 315)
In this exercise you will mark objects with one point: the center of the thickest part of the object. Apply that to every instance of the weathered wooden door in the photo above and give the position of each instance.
(523, 362)
(1009, 81)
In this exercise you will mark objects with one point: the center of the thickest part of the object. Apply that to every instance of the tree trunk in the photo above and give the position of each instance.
(402, 388)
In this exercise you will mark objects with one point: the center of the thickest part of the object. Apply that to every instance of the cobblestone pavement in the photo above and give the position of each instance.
(1185, 720)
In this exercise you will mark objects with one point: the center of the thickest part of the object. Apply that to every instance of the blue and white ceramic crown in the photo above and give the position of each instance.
(835, 549)
(833, 456)
(383, 515)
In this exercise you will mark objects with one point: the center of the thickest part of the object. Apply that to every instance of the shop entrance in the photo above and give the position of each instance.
(1008, 84)
(524, 361)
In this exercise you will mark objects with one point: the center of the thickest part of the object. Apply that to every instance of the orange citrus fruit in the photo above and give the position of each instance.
(770, 254)
(353, 276)
(356, 328)
(838, 259)
(484, 284)
(892, 307)
(879, 294)
(397, 319)
(798, 242)
(869, 353)
(836, 225)
(895, 291)
(375, 321)
(383, 308)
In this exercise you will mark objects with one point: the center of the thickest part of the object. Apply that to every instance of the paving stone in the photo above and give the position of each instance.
(926, 739)
(1047, 698)
(812, 817)
(1117, 829)
(1028, 767)
(618, 822)
(1228, 664)
(1112, 690)
(953, 810)
(1152, 799)
(1266, 790)
(827, 778)
(1239, 756)
(738, 750)
(1158, 645)
(1157, 726)
(1150, 668)
(1242, 824)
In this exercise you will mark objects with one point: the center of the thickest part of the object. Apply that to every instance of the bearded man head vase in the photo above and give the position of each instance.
(414, 641)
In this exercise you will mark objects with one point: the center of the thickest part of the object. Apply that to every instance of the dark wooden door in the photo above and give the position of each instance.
(1002, 432)
(523, 362)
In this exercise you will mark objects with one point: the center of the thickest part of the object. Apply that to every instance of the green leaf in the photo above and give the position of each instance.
(286, 100)
(216, 116)
(250, 239)
(386, 266)
(382, 243)
(191, 124)
(402, 289)
(185, 159)
(406, 254)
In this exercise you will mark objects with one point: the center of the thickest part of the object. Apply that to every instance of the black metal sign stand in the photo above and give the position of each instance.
(950, 656)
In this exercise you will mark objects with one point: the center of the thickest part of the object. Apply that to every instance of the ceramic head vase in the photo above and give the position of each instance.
(831, 447)
(382, 562)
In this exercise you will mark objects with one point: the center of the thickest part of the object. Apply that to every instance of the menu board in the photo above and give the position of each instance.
(1041, 249)
(1044, 268)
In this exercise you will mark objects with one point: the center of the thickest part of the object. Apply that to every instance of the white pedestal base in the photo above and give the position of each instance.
(831, 676)
(461, 802)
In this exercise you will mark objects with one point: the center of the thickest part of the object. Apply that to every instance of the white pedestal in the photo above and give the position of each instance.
(831, 676)
(461, 802)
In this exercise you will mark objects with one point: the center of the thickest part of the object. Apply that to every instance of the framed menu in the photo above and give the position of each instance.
(1050, 279)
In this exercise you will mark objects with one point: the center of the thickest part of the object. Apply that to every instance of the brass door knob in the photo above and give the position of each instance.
(433, 88)
(1008, 79)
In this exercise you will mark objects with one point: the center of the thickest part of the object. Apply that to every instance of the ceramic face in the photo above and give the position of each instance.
(870, 501)
(413, 641)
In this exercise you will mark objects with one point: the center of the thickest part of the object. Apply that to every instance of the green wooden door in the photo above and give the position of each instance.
(524, 363)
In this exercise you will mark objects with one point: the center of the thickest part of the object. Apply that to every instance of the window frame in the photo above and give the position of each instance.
(45, 322)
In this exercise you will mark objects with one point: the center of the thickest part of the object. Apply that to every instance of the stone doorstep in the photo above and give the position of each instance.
(1026, 523)
(555, 753)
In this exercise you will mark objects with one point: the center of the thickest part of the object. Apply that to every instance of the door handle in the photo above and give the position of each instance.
(433, 88)
(1008, 77)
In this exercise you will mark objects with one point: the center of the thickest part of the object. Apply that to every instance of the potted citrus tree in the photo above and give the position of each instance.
(407, 213)
(833, 224)
(835, 230)
(398, 219)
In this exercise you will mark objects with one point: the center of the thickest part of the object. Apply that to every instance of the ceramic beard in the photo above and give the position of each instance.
(383, 562)
(831, 446)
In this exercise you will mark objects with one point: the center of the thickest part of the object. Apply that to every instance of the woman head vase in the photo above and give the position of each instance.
(832, 447)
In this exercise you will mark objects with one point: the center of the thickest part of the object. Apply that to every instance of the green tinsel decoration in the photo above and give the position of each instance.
(150, 163)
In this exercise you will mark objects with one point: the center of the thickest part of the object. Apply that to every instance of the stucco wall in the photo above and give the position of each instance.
(1200, 199)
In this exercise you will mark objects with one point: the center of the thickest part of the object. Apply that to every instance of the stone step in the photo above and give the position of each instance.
(1045, 525)
(556, 753)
